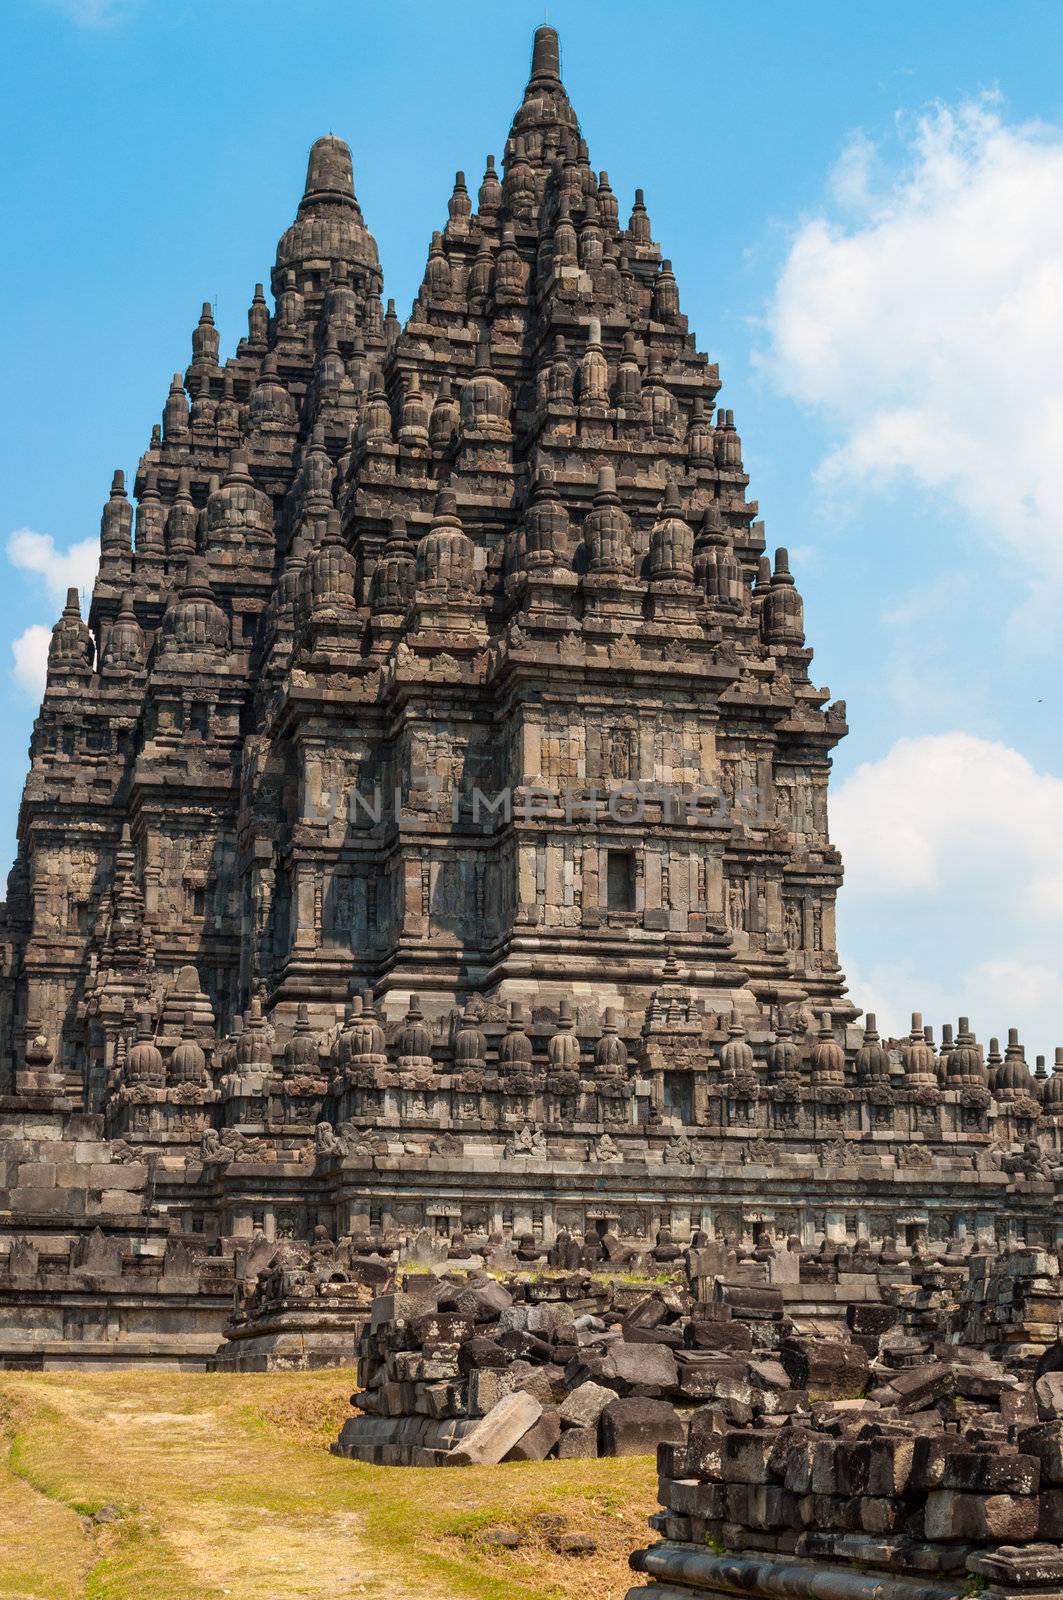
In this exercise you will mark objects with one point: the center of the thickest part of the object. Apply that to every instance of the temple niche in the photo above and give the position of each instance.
(440, 764)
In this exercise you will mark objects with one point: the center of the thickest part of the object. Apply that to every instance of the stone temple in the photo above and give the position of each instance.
(427, 827)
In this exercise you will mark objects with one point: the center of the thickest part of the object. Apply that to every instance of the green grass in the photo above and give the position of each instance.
(224, 1487)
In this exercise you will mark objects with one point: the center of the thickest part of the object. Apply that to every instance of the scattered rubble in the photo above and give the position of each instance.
(938, 1448)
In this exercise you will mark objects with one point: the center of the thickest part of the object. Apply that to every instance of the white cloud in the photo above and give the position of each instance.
(35, 552)
(30, 650)
(949, 804)
(954, 885)
(995, 995)
(925, 320)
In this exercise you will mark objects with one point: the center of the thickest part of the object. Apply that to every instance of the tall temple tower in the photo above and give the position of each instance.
(440, 661)
(426, 831)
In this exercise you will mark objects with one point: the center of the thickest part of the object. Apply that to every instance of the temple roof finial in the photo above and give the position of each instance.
(329, 172)
(546, 56)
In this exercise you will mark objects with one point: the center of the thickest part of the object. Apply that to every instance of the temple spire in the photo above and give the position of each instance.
(546, 58)
(329, 173)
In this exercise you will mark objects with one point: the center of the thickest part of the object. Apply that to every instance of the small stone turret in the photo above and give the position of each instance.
(736, 1055)
(329, 226)
(301, 1054)
(964, 1062)
(610, 1052)
(445, 556)
(182, 519)
(330, 578)
(125, 651)
(446, 414)
(194, 622)
(470, 1044)
(918, 1057)
(607, 531)
(827, 1061)
(671, 542)
(1052, 1093)
(72, 649)
(144, 1066)
(485, 401)
(784, 1054)
(547, 529)
(395, 573)
(116, 524)
(414, 1044)
(515, 1048)
(188, 1064)
(238, 515)
(1014, 1081)
(563, 1049)
(206, 343)
(175, 413)
(784, 610)
(872, 1058)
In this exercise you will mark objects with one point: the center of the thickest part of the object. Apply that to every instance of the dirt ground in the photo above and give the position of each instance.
(142, 1485)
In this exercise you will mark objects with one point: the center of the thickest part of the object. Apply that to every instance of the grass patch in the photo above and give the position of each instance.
(224, 1486)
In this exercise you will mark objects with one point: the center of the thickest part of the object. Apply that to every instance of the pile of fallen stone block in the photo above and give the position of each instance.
(1009, 1304)
(1012, 1303)
(921, 1458)
(474, 1370)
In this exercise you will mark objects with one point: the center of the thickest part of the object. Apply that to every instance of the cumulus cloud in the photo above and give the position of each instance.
(954, 885)
(924, 318)
(58, 570)
(30, 652)
(949, 805)
(35, 552)
(1023, 993)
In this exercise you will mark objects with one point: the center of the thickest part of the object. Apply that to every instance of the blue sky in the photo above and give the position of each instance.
(862, 205)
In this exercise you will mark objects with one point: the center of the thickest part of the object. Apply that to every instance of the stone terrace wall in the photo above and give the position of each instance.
(91, 1272)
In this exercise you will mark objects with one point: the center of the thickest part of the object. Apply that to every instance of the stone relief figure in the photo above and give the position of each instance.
(792, 925)
(620, 754)
(212, 1149)
(803, 817)
(528, 1141)
(342, 909)
(606, 1150)
(736, 905)
(680, 1151)
(729, 781)
(326, 1141)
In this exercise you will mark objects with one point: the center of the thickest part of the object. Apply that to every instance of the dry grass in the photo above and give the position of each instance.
(223, 1486)
(43, 1551)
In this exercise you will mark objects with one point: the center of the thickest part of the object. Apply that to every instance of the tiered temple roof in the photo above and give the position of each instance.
(430, 817)
(443, 659)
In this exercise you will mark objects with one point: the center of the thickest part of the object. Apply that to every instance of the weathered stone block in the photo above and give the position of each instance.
(540, 1440)
(1048, 1391)
(635, 1426)
(746, 1457)
(982, 1472)
(583, 1406)
(826, 1367)
(578, 1443)
(495, 1435)
(1045, 1441)
(1002, 1518)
